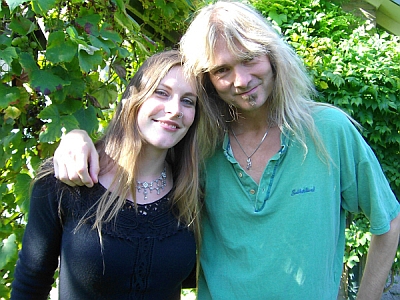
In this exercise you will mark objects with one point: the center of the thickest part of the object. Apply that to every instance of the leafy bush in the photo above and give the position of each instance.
(356, 67)
(63, 66)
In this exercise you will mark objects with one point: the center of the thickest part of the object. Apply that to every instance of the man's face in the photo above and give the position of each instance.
(246, 84)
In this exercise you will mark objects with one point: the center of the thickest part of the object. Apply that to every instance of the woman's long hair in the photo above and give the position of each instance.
(122, 144)
(120, 148)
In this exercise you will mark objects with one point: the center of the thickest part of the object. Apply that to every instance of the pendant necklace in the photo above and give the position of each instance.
(157, 184)
(248, 167)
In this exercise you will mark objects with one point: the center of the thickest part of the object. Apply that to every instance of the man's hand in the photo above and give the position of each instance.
(76, 161)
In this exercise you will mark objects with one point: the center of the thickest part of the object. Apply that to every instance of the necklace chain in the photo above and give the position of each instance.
(157, 184)
(249, 164)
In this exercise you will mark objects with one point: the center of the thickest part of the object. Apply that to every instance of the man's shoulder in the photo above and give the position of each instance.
(329, 113)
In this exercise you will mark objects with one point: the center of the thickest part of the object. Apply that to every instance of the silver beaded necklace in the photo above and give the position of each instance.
(249, 164)
(157, 184)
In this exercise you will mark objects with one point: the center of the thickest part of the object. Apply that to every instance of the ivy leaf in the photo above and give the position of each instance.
(106, 95)
(8, 95)
(89, 23)
(11, 112)
(22, 26)
(43, 6)
(21, 189)
(278, 18)
(27, 62)
(89, 62)
(8, 250)
(87, 119)
(12, 4)
(8, 54)
(59, 49)
(53, 130)
(107, 32)
(46, 82)
(101, 44)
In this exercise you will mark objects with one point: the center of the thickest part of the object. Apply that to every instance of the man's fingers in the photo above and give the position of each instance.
(94, 167)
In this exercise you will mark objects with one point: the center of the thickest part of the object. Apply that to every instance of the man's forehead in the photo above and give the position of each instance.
(221, 54)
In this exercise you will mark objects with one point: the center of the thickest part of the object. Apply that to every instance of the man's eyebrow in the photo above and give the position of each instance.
(216, 67)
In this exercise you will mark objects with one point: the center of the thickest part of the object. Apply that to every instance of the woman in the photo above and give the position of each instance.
(130, 237)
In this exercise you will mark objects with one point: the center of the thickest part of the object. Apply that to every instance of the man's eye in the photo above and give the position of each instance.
(220, 71)
(248, 59)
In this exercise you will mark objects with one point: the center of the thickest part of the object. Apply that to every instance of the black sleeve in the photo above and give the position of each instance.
(190, 281)
(38, 258)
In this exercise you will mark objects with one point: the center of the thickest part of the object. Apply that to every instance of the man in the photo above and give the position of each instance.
(288, 169)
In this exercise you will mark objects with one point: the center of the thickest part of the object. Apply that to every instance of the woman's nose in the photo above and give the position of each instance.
(172, 106)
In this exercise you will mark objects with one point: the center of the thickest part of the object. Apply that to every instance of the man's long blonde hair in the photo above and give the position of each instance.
(242, 27)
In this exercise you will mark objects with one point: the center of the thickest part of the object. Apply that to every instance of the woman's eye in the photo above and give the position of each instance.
(189, 102)
(161, 93)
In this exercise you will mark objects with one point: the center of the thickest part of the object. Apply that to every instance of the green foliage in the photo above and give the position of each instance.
(356, 67)
(63, 66)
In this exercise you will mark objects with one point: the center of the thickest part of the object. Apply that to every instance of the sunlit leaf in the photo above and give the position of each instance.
(59, 49)
(22, 25)
(8, 95)
(106, 95)
(46, 82)
(89, 62)
(87, 119)
(11, 112)
(12, 4)
(42, 6)
(8, 249)
(8, 54)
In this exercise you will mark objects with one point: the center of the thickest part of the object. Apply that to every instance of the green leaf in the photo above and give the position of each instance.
(21, 190)
(8, 250)
(101, 44)
(106, 95)
(89, 62)
(22, 26)
(28, 62)
(8, 54)
(46, 82)
(49, 113)
(89, 23)
(107, 32)
(53, 130)
(11, 112)
(87, 119)
(59, 49)
(12, 4)
(43, 6)
(8, 95)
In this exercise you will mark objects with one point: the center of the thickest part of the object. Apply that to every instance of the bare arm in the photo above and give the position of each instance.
(379, 261)
(72, 158)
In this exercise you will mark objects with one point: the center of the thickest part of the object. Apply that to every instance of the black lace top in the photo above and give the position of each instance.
(145, 254)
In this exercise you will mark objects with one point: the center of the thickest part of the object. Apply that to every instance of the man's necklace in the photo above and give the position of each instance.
(248, 167)
(157, 184)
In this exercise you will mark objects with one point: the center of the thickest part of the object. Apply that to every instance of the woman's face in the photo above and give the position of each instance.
(166, 116)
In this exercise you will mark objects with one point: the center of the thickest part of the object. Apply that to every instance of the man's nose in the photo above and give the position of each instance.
(241, 77)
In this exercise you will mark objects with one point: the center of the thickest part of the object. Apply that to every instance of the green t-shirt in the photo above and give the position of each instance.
(284, 238)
